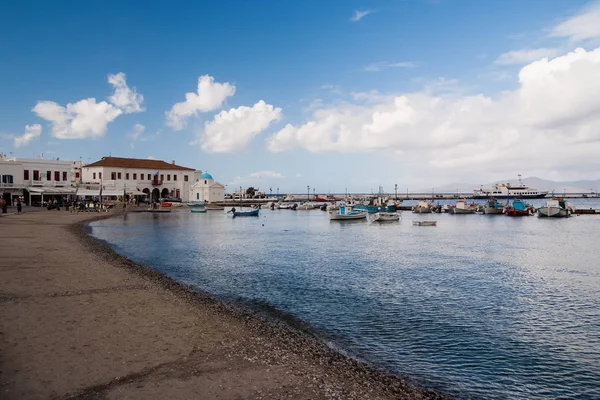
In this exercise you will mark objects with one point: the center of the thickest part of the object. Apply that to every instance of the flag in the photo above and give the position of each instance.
(156, 174)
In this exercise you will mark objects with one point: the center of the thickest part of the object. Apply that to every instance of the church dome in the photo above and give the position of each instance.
(206, 176)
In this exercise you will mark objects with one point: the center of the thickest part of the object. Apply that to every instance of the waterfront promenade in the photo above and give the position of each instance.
(78, 321)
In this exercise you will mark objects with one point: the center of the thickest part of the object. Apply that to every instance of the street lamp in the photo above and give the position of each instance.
(307, 193)
(396, 190)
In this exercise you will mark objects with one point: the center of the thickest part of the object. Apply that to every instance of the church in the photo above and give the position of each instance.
(206, 189)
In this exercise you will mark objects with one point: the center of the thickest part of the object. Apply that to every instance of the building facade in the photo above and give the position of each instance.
(206, 189)
(34, 178)
(154, 178)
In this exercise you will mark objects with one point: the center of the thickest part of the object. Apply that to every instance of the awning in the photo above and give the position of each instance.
(112, 192)
(88, 192)
(51, 190)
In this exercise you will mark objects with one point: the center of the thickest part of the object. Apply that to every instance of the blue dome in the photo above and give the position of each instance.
(206, 176)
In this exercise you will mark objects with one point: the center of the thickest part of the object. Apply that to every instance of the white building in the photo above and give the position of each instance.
(156, 178)
(206, 189)
(34, 179)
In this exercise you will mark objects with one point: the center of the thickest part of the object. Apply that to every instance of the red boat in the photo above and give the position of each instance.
(519, 209)
(328, 199)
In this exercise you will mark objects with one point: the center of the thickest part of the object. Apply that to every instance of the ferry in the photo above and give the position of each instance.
(508, 191)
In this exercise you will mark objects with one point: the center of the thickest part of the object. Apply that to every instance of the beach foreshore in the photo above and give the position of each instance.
(81, 322)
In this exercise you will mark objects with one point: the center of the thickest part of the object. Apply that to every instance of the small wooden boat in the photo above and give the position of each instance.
(253, 213)
(386, 216)
(198, 210)
(493, 207)
(196, 204)
(422, 207)
(166, 204)
(424, 223)
(555, 208)
(346, 213)
(519, 209)
(214, 207)
(462, 207)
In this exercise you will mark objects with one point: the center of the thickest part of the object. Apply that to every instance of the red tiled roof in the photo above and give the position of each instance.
(119, 162)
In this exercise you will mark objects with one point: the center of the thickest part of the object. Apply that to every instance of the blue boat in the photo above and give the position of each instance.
(198, 210)
(253, 213)
(370, 209)
(198, 204)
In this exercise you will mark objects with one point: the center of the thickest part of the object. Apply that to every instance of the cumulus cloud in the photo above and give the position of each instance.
(584, 25)
(552, 119)
(232, 130)
(524, 56)
(209, 97)
(123, 97)
(31, 132)
(376, 67)
(257, 178)
(266, 174)
(84, 119)
(360, 14)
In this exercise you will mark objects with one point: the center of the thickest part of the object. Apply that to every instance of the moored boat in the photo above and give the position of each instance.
(493, 207)
(347, 213)
(555, 208)
(509, 191)
(518, 209)
(253, 213)
(386, 216)
(422, 207)
(196, 204)
(198, 210)
(462, 207)
(166, 204)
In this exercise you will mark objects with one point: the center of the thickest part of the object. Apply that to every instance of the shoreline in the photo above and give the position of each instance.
(293, 362)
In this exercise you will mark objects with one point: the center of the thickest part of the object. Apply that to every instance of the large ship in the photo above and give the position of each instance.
(508, 191)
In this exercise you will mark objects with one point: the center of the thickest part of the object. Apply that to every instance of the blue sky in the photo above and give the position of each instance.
(417, 93)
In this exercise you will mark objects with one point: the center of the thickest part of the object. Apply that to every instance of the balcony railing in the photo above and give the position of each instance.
(156, 182)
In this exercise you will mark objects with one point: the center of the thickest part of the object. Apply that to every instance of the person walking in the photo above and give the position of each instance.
(19, 207)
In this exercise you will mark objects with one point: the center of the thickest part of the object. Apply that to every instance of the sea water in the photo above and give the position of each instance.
(478, 306)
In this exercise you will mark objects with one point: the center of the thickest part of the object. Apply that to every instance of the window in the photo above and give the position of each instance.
(162, 177)
(169, 177)
(77, 175)
(185, 178)
(7, 179)
(113, 176)
(205, 181)
(118, 175)
(36, 175)
(127, 176)
(149, 177)
(174, 177)
(26, 174)
(64, 176)
(48, 175)
(135, 177)
(100, 175)
(93, 175)
(197, 196)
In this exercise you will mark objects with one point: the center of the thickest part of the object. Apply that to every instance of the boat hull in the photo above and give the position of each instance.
(424, 223)
(198, 210)
(463, 211)
(517, 213)
(552, 212)
(253, 213)
(347, 217)
(384, 217)
(422, 210)
(492, 211)
(200, 204)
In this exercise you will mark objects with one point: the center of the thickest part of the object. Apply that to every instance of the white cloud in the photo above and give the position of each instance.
(266, 174)
(258, 178)
(376, 67)
(585, 25)
(137, 131)
(552, 120)
(123, 97)
(232, 130)
(360, 14)
(524, 56)
(210, 96)
(31, 132)
(80, 120)
(150, 158)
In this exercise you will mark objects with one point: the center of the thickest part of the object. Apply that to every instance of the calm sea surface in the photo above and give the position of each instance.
(479, 306)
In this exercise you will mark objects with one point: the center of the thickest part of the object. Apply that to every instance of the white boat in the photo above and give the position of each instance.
(285, 206)
(492, 207)
(289, 197)
(333, 207)
(386, 216)
(555, 208)
(422, 207)
(424, 223)
(462, 207)
(508, 191)
(347, 213)
(306, 206)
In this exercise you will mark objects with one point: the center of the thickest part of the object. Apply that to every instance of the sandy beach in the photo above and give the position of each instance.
(80, 322)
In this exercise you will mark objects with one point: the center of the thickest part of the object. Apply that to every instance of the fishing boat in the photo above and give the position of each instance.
(326, 199)
(386, 216)
(166, 204)
(422, 207)
(196, 204)
(198, 210)
(556, 208)
(424, 223)
(493, 207)
(462, 207)
(306, 206)
(212, 207)
(252, 213)
(347, 213)
(518, 209)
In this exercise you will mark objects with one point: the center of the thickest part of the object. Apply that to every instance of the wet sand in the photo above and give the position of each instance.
(79, 321)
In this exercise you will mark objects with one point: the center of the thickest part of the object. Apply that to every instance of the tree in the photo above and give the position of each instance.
(250, 192)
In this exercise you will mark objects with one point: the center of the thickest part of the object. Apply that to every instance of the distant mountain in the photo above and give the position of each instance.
(534, 182)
